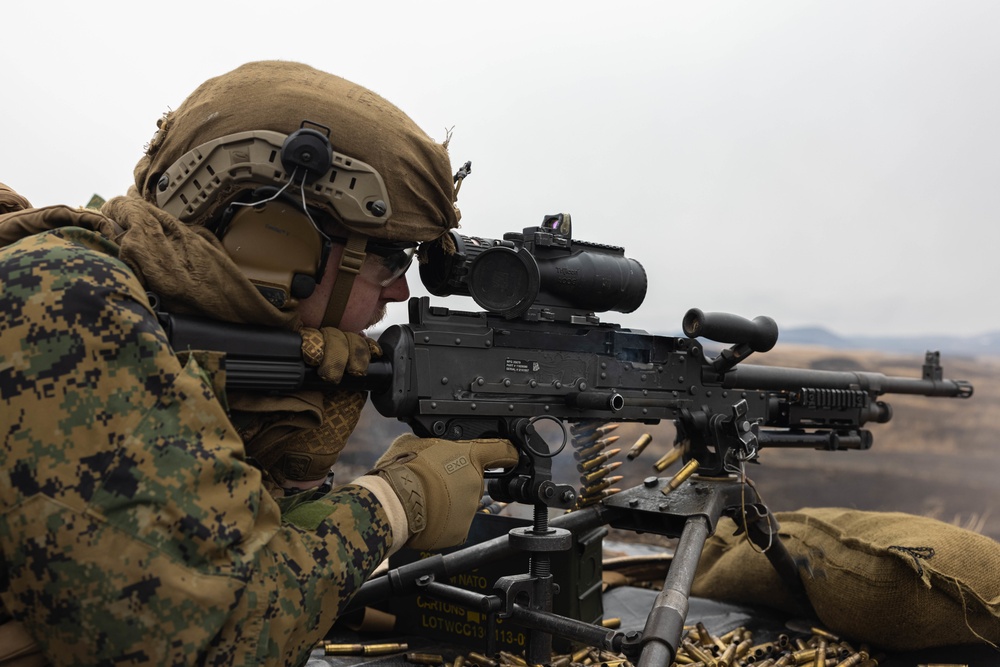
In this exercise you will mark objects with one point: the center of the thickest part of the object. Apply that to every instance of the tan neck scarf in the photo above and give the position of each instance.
(297, 436)
(187, 267)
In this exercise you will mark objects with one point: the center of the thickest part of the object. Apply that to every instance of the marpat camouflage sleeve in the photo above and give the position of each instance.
(132, 529)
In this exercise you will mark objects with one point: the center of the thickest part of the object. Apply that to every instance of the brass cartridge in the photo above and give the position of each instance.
(590, 464)
(600, 486)
(596, 448)
(363, 649)
(589, 431)
(594, 476)
(587, 501)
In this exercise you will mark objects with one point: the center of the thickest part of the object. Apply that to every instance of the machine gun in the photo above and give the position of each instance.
(539, 353)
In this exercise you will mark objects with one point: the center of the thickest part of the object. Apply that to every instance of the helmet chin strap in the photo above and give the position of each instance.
(349, 268)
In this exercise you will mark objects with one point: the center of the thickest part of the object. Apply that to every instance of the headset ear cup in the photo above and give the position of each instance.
(309, 151)
(302, 286)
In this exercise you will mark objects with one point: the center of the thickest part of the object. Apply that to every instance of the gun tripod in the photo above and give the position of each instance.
(691, 512)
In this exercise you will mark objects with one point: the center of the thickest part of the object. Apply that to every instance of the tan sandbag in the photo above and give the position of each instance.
(894, 580)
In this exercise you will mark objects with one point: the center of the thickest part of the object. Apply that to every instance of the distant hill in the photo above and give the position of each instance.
(966, 346)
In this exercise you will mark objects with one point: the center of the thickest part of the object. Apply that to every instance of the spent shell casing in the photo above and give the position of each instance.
(761, 651)
(728, 655)
(854, 659)
(803, 656)
(612, 623)
(590, 464)
(696, 652)
(704, 636)
(733, 635)
(579, 655)
(689, 468)
(820, 660)
(508, 658)
(595, 475)
(481, 660)
(594, 449)
(825, 634)
(639, 445)
(425, 658)
(459, 661)
(669, 459)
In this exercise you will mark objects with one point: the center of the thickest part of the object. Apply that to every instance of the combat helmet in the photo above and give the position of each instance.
(280, 160)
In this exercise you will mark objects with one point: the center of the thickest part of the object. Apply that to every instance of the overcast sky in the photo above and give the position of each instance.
(828, 164)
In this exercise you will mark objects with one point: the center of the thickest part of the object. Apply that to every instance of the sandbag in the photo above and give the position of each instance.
(894, 580)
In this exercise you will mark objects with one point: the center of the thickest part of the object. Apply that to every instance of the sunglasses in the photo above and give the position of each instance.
(388, 261)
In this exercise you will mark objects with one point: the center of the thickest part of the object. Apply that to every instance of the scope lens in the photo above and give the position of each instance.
(504, 281)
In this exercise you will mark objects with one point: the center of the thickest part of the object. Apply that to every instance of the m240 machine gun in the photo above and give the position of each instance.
(538, 353)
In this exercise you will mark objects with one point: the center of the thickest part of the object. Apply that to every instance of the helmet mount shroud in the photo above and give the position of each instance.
(247, 182)
(209, 176)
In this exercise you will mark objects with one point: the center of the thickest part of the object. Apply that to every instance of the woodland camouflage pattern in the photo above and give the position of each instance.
(132, 528)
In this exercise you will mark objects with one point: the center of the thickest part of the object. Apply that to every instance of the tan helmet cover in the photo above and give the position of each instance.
(278, 96)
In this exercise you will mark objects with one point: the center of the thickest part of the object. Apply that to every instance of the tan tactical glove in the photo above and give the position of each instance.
(440, 483)
(335, 352)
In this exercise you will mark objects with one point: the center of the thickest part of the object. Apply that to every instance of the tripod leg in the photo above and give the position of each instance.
(665, 623)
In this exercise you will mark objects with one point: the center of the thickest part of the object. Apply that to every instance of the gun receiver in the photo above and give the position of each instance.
(462, 375)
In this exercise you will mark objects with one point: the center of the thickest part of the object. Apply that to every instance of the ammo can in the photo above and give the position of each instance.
(576, 573)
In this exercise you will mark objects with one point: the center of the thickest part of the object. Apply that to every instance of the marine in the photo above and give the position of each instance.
(147, 515)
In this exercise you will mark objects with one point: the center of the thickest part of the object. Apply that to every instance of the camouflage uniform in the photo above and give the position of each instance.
(132, 527)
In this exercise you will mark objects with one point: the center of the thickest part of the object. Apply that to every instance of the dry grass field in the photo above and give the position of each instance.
(937, 457)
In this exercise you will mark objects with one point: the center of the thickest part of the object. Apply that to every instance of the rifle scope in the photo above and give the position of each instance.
(541, 270)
